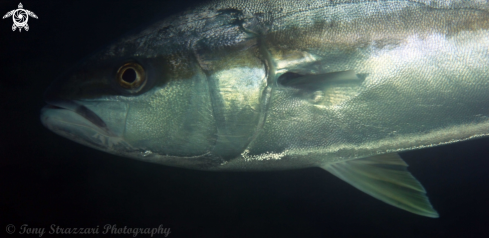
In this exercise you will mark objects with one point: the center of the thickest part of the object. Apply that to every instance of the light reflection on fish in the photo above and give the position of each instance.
(270, 85)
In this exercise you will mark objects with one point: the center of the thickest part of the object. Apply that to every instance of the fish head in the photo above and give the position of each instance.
(146, 106)
(189, 92)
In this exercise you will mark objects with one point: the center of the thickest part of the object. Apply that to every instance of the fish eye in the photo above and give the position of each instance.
(131, 75)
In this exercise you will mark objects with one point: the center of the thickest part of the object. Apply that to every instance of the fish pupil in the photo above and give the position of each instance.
(129, 75)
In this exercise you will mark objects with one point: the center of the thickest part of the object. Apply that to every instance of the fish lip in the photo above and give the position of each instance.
(81, 110)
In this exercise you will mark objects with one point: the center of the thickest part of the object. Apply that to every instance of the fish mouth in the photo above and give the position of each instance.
(79, 109)
(76, 122)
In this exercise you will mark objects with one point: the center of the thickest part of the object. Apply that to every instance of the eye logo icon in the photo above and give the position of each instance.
(20, 17)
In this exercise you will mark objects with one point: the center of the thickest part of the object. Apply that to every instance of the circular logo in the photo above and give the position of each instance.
(20, 17)
(10, 229)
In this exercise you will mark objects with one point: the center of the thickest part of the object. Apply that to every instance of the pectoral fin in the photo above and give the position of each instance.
(386, 178)
(317, 81)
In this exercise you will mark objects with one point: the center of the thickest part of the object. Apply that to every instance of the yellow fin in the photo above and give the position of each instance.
(386, 178)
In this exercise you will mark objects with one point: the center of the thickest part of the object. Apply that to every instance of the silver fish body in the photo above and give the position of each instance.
(264, 85)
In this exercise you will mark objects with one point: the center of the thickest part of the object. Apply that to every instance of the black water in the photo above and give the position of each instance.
(46, 180)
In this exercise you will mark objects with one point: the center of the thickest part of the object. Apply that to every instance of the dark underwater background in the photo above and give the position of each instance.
(46, 179)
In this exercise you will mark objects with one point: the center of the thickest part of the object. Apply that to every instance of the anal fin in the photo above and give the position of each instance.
(386, 178)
